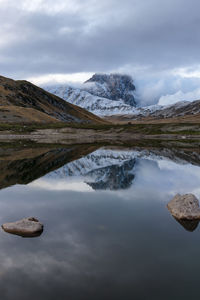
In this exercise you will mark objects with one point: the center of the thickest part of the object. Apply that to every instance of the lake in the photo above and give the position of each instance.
(107, 231)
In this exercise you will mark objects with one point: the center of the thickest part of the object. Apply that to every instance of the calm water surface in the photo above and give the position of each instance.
(107, 231)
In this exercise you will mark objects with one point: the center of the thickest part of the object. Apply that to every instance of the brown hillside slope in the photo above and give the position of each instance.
(18, 114)
(27, 95)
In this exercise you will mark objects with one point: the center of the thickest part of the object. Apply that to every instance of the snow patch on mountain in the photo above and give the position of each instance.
(95, 104)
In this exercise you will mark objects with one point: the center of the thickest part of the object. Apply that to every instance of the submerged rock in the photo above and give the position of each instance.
(184, 207)
(28, 227)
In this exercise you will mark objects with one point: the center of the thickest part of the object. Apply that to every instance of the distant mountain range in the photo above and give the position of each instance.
(21, 101)
(109, 96)
(114, 95)
(157, 112)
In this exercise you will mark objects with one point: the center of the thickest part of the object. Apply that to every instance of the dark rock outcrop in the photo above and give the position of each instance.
(113, 86)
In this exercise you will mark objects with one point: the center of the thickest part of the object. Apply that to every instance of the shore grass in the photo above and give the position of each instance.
(138, 143)
(147, 129)
(119, 129)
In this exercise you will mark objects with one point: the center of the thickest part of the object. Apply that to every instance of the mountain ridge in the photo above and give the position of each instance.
(94, 95)
(21, 93)
(102, 94)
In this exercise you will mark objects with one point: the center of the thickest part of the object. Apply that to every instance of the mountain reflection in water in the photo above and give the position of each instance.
(108, 233)
(101, 169)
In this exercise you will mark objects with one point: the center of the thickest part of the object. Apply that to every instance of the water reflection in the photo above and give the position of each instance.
(188, 225)
(114, 240)
(103, 169)
(117, 169)
(100, 169)
(26, 235)
(23, 165)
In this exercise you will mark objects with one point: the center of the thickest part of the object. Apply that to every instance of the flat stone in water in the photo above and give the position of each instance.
(28, 227)
(184, 207)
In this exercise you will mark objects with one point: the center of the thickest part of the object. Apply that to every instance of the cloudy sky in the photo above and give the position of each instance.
(155, 41)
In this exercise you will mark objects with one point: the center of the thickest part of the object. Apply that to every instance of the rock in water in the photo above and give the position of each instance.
(185, 207)
(28, 227)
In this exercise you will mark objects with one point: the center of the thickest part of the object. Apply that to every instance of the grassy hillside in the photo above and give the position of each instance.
(18, 114)
(26, 95)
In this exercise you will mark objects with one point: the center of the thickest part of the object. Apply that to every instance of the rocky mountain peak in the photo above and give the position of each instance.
(112, 86)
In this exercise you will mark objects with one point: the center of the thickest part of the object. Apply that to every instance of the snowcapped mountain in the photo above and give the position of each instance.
(97, 105)
(179, 109)
(113, 95)
(114, 86)
(103, 95)
(162, 111)
(103, 169)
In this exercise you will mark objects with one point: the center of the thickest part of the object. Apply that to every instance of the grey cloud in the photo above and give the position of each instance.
(99, 37)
